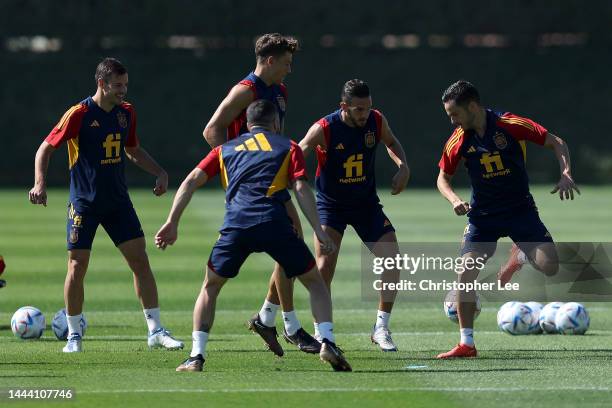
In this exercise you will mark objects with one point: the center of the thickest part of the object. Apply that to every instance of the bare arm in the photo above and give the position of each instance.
(168, 233)
(444, 186)
(314, 137)
(396, 153)
(38, 193)
(566, 185)
(306, 200)
(235, 102)
(142, 159)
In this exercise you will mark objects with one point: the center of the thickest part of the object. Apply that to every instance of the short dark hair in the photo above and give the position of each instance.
(261, 112)
(462, 92)
(354, 88)
(274, 44)
(108, 67)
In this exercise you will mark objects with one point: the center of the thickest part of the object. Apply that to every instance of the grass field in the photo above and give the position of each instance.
(117, 369)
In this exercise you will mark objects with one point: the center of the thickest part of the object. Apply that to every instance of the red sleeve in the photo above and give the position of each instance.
(297, 164)
(451, 156)
(378, 117)
(251, 85)
(523, 128)
(132, 139)
(68, 127)
(211, 164)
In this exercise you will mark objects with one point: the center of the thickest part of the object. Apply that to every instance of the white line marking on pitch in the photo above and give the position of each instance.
(360, 389)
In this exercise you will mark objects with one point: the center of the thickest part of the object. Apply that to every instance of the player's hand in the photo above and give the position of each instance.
(461, 207)
(161, 184)
(326, 243)
(566, 187)
(167, 235)
(399, 181)
(38, 195)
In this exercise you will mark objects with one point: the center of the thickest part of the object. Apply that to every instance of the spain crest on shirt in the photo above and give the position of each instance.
(500, 140)
(122, 119)
(370, 139)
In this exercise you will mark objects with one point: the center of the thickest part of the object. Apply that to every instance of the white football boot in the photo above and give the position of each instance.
(161, 338)
(74, 344)
(382, 337)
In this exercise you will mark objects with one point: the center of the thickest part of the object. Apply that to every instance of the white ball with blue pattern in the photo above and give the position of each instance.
(572, 318)
(28, 323)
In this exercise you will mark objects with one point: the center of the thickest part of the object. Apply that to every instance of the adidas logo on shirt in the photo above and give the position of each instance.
(339, 146)
(471, 149)
(94, 124)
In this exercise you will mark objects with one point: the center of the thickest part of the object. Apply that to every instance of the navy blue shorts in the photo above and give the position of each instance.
(121, 225)
(524, 228)
(370, 222)
(276, 238)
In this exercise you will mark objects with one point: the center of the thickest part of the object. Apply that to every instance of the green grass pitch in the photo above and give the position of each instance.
(117, 369)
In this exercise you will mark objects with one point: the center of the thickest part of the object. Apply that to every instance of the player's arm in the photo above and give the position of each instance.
(206, 169)
(315, 137)
(168, 233)
(142, 159)
(38, 193)
(446, 189)
(235, 102)
(566, 185)
(397, 154)
(306, 200)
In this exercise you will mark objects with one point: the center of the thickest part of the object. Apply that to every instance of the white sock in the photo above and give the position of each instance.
(317, 333)
(327, 331)
(382, 320)
(267, 314)
(467, 337)
(152, 318)
(292, 324)
(198, 346)
(74, 324)
(522, 258)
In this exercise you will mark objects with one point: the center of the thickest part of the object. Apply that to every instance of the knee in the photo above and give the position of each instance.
(548, 268)
(76, 269)
(212, 287)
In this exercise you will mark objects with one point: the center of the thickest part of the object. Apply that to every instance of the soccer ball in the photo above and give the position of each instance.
(536, 308)
(515, 318)
(28, 323)
(572, 318)
(450, 306)
(547, 317)
(60, 325)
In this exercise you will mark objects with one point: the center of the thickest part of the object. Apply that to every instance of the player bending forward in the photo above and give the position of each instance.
(255, 169)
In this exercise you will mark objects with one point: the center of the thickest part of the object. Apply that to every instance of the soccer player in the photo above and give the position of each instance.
(256, 169)
(345, 143)
(274, 56)
(101, 132)
(492, 147)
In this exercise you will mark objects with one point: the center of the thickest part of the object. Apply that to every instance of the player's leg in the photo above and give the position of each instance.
(297, 260)
(226, 258)
(280, 295)
(479, 239)
(145, 286)
(326, 263)
(203, 319)
(80, 232)
(532, 243)
(378, 234)
(123, 227)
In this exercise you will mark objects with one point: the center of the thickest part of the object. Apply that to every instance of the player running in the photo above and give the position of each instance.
(345, 143)
(101, 132)
(492, 147)
(274, 56)
(256, 169)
